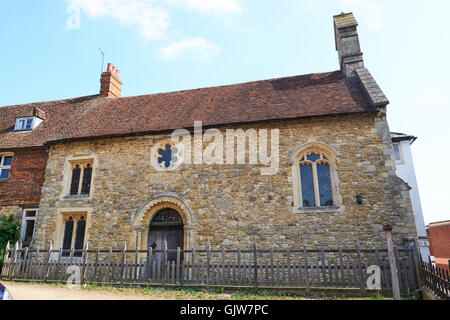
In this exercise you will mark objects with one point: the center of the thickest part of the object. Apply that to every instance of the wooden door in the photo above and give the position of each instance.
(166, 226)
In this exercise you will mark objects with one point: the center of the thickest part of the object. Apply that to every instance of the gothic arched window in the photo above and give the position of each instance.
(314, 183)
(76, 172)
(87, 176)
(80, 183)
(74, 234)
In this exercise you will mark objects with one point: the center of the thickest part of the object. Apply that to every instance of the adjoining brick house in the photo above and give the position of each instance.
(439, 235)
(336, 181)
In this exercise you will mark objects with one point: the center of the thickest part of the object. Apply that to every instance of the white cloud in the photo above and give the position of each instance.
(216, 7)
(151, 19)
(196, 49)
(152, 22)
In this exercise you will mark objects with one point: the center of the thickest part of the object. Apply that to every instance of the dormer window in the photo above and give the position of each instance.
(27, 124)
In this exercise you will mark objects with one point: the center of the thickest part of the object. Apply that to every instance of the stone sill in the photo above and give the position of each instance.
(4, 180)
(76, 197)
(318, 210)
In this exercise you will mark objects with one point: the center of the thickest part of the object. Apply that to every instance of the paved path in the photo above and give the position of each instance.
(43, 292)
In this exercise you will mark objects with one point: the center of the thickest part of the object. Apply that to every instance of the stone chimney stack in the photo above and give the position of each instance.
(110, 84)
(347, 43)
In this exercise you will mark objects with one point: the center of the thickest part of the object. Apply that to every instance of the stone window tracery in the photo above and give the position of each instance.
(165, 155)
(74, 234)
(315, 180)
(314, 177)
(81, 177)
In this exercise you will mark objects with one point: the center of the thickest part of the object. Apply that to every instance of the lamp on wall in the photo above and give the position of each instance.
(359, 198)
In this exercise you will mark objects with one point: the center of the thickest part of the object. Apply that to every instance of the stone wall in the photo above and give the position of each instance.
(234, 205)
(11, 210)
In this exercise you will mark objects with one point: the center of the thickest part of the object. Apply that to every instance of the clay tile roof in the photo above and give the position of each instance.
(274, 99)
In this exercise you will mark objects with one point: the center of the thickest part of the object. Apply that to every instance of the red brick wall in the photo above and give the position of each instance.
(439, 234)
(25, 180)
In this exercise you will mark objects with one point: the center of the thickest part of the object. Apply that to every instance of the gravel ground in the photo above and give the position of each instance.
(26, 291)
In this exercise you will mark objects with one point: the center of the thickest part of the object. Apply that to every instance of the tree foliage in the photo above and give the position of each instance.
(9, 231)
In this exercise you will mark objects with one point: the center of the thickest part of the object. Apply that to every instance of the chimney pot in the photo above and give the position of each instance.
(110, 83)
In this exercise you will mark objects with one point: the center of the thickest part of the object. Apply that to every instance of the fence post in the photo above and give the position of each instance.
(84, 261)
(122, 264)
(178, 266)
(47, 263)
(255, 267)
(164, 264)
(416, 260)
(12, 262)
(5, 259)
(305, 258)
(136, 261)
(392, 263)
(96, 265)
(360, 267)
(208, 261)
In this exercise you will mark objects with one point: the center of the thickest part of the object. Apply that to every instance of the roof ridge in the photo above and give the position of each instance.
(229, 85)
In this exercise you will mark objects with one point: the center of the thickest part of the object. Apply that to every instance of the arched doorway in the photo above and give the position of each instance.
(166, 225)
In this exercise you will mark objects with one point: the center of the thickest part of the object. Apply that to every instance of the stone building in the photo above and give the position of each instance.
(114, 174)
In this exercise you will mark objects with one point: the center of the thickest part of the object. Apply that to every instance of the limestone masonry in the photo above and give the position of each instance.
(85, 166)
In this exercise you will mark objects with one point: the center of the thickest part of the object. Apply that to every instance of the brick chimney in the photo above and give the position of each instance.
(347, 43)
(110, 84)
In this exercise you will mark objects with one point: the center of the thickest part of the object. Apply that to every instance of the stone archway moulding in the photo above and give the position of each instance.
(147, 211)
(142, 218)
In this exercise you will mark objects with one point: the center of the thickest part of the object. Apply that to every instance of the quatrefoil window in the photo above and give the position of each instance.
(167, 155)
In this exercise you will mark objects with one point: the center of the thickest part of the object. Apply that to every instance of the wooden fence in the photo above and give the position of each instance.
(303, 268)
(437, 280)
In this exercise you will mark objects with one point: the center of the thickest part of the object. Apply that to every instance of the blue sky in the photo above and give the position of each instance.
(165, 45)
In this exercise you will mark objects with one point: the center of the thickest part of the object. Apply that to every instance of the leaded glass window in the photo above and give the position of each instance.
(167, 155)
(306, 173)
(68, 231)
(87, 175)
(81, 180)
(315, 180)
(79, 237)
(75, 180)
(74, 233)
(323, 177)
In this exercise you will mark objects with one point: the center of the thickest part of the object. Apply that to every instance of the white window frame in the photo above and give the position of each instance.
(4, 167)
(400, 151)
(35, 121)
(25, 220)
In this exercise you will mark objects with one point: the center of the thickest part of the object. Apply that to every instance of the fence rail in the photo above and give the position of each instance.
(437, 280)
(251, 268)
